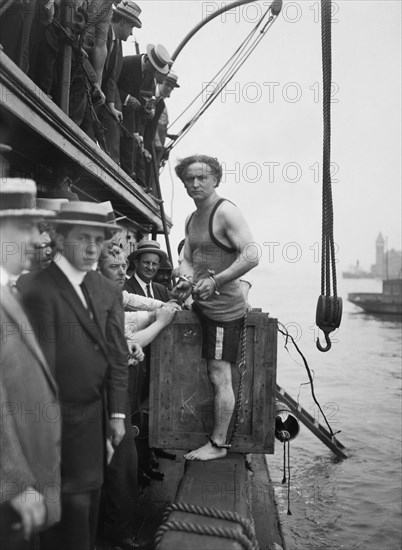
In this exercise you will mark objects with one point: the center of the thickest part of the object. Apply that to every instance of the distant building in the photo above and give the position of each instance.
(393, 264)
(378, 269)
(388, 264)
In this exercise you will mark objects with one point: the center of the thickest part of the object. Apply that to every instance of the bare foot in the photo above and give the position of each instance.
(206, 452)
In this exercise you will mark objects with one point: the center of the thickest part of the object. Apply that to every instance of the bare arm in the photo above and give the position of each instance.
(164, 317)
(135, 302)
(184, 288)
(186, 266)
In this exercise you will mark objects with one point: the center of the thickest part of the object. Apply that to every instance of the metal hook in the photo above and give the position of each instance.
(328, 341)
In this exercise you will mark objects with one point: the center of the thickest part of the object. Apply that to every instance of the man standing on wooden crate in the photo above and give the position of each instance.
(218, 250)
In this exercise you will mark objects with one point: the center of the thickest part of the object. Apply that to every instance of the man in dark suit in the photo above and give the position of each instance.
(30, 421)
(147, 259)
(79, 320)
(125, 17)
(136, 83)
(156, 128)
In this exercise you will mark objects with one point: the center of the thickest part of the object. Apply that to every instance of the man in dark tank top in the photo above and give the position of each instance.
(218, 250)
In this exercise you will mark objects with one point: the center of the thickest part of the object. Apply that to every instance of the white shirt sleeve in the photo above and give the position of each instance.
(134, 302)
(135, 321)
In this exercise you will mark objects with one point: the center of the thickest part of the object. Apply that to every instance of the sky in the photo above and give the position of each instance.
(267, 128)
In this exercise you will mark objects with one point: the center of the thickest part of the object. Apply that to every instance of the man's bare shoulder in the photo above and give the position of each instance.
(228, 212)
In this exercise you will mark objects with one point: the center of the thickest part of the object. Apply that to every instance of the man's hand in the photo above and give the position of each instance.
(30, 505)
(174, 305)
(138, 139)
(204, 288)
(109, 451)
(133, 103)
(182, 290)
(137, 354)
(165, 315)
(118, 430)
(116, 114)
(98, 97)
(147, 154)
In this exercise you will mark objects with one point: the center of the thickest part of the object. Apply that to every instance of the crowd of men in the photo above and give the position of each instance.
(74, 368)
(118, 101)
(77, 316)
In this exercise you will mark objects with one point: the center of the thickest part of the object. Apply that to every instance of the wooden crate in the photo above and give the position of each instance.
(181, 409)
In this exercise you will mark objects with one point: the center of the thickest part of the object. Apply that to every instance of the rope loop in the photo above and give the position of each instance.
(247, 539)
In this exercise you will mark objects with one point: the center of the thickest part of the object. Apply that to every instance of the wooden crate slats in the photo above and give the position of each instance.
(181, 396)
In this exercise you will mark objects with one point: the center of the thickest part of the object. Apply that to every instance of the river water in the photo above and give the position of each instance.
(354, 504)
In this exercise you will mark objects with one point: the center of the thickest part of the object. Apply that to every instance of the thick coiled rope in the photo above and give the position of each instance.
(246, 539)
(329, 307)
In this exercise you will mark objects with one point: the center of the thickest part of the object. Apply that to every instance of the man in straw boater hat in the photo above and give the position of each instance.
(44, 245)
(144, 319)
(147, 259)
(30, 421)
(137, 84)
(125, 18)
(79, 321)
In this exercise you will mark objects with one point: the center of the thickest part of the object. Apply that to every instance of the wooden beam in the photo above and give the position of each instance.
(23, 99)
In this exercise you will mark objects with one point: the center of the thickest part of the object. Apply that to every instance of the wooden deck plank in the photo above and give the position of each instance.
(264, 506)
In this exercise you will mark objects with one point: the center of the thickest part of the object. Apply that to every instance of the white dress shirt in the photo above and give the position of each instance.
(74, 276)
(144, 286)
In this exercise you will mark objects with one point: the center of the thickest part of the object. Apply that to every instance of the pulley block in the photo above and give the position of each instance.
(328, 317)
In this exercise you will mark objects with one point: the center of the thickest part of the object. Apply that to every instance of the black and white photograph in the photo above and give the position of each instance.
(200, 275)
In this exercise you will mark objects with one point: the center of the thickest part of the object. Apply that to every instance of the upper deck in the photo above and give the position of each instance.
(47, 146)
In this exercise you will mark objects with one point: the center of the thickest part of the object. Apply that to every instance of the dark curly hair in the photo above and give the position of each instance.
(212, 162)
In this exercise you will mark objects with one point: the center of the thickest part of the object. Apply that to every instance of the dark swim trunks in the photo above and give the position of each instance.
(220, 340)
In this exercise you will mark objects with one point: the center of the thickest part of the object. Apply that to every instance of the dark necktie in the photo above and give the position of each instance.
(87, 299)
(149, 291)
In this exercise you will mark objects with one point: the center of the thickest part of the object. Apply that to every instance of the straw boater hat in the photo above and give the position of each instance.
(50, 204)
(18, 199)
(159, 57)
(172, 78)
(130, 11)
(84, 213)
(111, 218)
(149, 246)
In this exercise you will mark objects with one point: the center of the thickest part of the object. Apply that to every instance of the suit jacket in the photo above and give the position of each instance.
(86, 357)
(140, 377)
(131, 79)
(112, 69)
(30, 423)
(160, 292)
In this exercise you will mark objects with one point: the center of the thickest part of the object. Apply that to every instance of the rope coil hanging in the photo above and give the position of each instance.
(329, 306)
